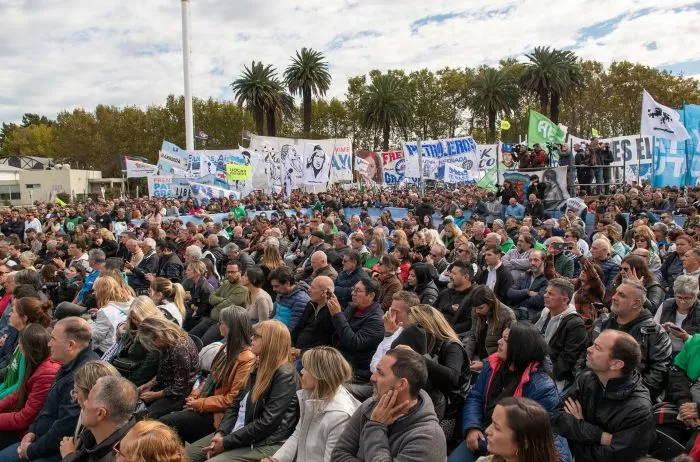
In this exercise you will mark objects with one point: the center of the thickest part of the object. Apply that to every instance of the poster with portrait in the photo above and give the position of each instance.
(554, 180)
(317, 165)
(293, 160)
(373, 170)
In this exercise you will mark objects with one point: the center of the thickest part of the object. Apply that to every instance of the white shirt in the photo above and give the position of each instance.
(240, 420)
(492, 276)
(383, 347)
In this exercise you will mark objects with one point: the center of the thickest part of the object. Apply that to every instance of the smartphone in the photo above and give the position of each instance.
(329, 294)
(561, 246)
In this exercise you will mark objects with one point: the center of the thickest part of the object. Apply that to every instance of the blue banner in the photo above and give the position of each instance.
(691, 120)
(669, 162)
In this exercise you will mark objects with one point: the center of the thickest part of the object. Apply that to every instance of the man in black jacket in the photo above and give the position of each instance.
(70, 346)
(315, 327)
(455, 301)
(606, 415)
(564, 330)
(169, 264)
(352, 272)
(340, 248)
(147, 265)
(494, 274)
(629, 316)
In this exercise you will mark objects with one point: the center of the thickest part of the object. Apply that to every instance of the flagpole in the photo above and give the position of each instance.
(186, 55)
(688, 162)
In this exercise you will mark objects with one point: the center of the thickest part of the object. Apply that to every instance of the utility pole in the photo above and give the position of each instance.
(186, 55)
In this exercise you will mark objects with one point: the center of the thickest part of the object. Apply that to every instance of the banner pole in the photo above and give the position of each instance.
(419, 147)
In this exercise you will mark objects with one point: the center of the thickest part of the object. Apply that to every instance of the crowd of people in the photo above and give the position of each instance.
(145, 330)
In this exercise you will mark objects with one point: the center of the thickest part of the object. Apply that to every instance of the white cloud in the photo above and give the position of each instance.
(57, 55)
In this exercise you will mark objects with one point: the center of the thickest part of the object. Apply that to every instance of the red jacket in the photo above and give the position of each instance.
(38, 387)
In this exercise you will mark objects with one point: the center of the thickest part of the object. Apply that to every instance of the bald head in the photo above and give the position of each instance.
(319, 289)
(318, 260)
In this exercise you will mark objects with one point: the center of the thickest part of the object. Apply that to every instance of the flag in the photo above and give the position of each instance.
(505, 125)
(60, 202)
(661, 121)
(488, 182)
(541, 131)
(595, 133)
(245, 135)
(200, 135)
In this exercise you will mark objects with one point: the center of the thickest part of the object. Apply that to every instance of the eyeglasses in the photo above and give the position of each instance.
(685, 298)
(116, 450)
(355, 290)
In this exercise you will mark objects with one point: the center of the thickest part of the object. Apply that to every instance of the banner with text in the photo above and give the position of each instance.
(137, 169)
(554, 180)
(436, 153)
(394, 167)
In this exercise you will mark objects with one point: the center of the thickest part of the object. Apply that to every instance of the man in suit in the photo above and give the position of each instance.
(494, 274)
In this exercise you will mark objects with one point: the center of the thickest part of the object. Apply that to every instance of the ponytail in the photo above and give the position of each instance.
(179, 298)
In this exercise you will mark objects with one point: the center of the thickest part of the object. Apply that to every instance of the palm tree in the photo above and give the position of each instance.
(550, 73)
(307, 74)
(384, 105)
(282, 103)
(258, 89)
(494, 92)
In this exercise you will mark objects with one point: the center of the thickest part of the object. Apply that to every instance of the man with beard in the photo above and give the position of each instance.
(628, 315)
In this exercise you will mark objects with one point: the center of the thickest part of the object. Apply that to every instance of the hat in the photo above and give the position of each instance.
(318, 234)
(498, 222)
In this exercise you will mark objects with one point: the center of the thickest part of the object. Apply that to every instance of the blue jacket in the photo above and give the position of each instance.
(290, 308)
(536, 384)
(518, 211)
(345, 282)
(518, 293)
(87, 285)
(59, 416)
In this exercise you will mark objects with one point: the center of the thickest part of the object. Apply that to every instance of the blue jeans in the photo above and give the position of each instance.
(9, 454)
(599, 179)
(462, 454)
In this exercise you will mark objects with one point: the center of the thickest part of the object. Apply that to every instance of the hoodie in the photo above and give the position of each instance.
(104, 327)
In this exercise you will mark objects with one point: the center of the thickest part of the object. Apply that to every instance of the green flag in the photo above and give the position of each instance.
(488, 182)
(541, 131)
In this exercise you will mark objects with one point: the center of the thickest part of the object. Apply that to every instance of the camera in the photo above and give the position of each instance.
(560, 246)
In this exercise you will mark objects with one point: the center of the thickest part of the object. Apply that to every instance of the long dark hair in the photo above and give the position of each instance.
(483, 295)
(526, 345)
(532, 430)
(34, 340)
(240, 332)
(639, 265)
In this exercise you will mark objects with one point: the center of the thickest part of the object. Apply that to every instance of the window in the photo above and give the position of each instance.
(33, 185)
(10, 192)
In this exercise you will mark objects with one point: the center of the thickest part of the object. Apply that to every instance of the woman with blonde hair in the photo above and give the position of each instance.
(399, 238)
(271, 259)
(451, 234)
(377, 249)
(269, 404)
(113, 308)
(150, 441)
(177, 370)
(116, 274)
(27, 259)
(133, 361)
(432, 237)
(206, 405)
(325, 407)
(170, 298)
(615, 238)
(420, 245)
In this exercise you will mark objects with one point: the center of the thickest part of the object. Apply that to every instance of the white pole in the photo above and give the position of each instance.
(186, 54)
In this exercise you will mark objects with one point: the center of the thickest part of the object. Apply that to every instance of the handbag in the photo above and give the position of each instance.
(125, 366)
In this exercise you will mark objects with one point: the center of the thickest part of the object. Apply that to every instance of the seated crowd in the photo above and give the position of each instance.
(333, 338)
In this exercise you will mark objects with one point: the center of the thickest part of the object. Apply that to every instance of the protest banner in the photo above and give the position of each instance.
(317, 165)
(236, 172)
(486, 157)
(370, 167)
(455, 174)
(341, 163)
(394, 167)
(137, 169)
(168, 186)
(206, 192)
(435, 154)
(173, 155)
(554, 180)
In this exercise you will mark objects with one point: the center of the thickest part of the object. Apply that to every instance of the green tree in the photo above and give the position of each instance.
(495, 92)
(385, 105)
(33, 140)
(258, 89)
(306, 75)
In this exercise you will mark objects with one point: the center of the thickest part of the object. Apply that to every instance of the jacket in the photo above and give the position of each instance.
(226, 295)
(685, 371)
(59, 415)
(38, 386)
(493, 332)
(270, 420)
(566, 344)
(228, 388)
(104, 327)
(653, 340)
(517, 262)
(89, 451)
(147, 265)
(503, 281)
(691, 324)
(534, 384)
(289, 308)
(518, 294)
(671, 268)
(335, 257)
(356, 335)
(655, 296)
(345, 282)
(320, 426)
(621, 407)
(610, 271)
(564, 265)
(170, 267)
(178, 369)
(327, 270)
(314, 329)
(146, 361)
(427, 293)
(415, 437)
(387, 291)
(448, 298)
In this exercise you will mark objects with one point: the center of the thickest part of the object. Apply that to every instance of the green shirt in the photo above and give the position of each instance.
(238, 213)
(689, 358)
(13, 374)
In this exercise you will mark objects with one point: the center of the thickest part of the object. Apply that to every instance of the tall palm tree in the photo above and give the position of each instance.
(550, 73)
(494, 92)
(258, 89)
(283, 103)
(308, 74)
(384, 105)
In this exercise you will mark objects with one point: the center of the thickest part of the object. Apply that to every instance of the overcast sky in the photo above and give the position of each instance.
(59, 55)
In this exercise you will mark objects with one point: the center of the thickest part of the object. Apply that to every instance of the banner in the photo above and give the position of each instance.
(168, 186)
(174, 155)
(436, 153)
(293, 161)
(394, 167)
(541, 131)
(137, 169)
(456, 174)
(235, 172)
(207, 192)
(554, 180)
(691, 120)
(660, 121)
(341, 163)
(669, 163)
(370, 167)
(488, 182)
(486, 156)
(317, 165)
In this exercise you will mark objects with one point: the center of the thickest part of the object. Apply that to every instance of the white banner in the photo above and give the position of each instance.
(486, 157)
(202, 191)
(661, 121)
(341, 164)
(168, 186)
(137, 169)
(456, 174)
(293, 160)
(317, 165)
